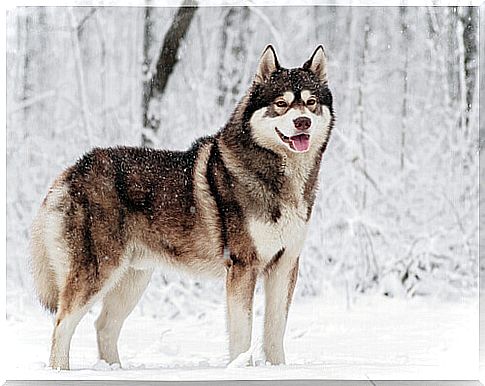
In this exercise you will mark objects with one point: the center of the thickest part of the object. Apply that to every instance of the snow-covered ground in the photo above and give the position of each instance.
(378, 338)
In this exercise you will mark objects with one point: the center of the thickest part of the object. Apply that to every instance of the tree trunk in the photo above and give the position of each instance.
(234, 53)
(154, 85)
(468, 18)
(103, 73)
(404, 106)
(83, 99)
(27, 86)
(360, 106)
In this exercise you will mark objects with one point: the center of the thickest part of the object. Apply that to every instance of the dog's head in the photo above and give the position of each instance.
(290, 110)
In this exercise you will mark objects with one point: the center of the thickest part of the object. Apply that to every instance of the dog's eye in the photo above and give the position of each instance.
(281, 104)
(311, 102)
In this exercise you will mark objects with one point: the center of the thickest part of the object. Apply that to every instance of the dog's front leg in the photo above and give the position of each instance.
(279, 283)
(240, 283)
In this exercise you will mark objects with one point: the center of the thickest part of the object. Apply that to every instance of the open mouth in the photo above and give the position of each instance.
(299, 143)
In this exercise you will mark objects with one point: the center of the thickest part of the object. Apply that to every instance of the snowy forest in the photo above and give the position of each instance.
(397, 209)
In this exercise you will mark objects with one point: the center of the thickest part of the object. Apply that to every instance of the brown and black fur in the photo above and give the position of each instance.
(119, 212)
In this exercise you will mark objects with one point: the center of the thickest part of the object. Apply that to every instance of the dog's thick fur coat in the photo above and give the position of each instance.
(236, 204)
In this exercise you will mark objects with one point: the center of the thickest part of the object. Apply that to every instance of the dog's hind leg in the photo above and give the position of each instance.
(77, 296)
(117, 305)
(240, 284)
(67, 319)
(279, 284)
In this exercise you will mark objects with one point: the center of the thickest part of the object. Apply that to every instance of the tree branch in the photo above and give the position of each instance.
(155, 84)
(80, 25)
(171, 44)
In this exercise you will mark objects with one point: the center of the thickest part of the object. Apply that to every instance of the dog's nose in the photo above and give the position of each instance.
(302, 123)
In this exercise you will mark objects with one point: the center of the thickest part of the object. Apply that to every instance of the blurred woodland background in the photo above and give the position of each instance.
(397, 211)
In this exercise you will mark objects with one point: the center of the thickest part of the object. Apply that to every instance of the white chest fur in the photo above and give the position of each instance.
(288, 232)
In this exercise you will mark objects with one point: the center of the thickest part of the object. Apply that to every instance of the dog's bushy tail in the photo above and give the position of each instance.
(43, 274)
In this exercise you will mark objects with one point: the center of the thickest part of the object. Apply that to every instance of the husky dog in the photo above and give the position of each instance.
(235, 205)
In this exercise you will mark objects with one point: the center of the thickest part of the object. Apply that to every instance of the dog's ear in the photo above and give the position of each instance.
(267, 64)
(318, 64)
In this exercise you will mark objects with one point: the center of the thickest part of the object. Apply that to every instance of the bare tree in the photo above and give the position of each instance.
(360, 104)
(234, 50)
(83, 99)
(24, 31)
(468, 18)
(405, 99)
(154, 85)
(104, 70)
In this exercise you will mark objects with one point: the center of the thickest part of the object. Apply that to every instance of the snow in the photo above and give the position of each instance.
(378, 338)
(247, 357)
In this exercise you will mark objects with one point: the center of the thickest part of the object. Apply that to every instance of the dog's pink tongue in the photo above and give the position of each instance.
(300, 142)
